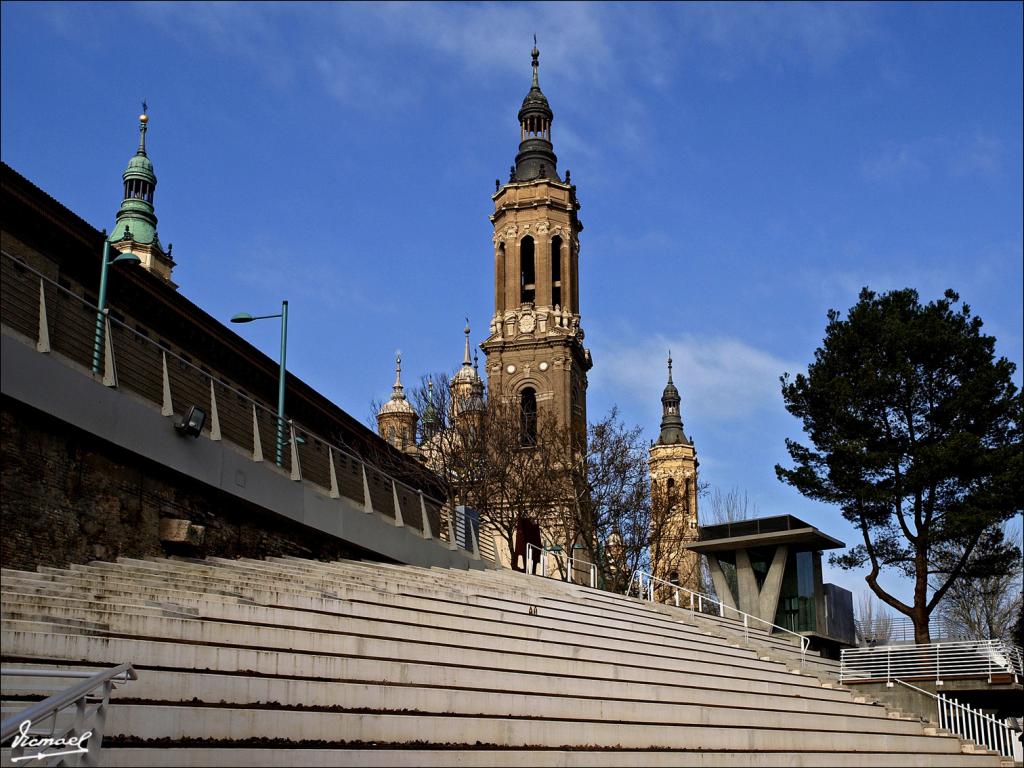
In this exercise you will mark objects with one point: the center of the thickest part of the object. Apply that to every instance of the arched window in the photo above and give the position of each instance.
(670, 492)
(528, 417)
(556, 271)
(527, 273)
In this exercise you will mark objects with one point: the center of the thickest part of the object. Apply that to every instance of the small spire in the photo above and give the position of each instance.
(398, 371)
(536, 58)
(430, 391)
(465, 358)
(670, 366)
(143, 124)
(476, 364)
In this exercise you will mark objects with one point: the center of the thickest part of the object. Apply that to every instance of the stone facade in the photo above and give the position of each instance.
(536, 341)
(69, 497)
(674, 495)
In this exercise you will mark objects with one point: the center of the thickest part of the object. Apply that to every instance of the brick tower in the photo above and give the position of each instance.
(535, 353)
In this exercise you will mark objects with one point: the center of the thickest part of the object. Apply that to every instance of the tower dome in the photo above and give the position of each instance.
(671, 419)
(466, 386)
(396, 420)
(136, 219)
(135, 228)
(536, 158)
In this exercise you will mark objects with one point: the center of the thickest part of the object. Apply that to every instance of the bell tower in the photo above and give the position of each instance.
(535, 353)
(673, 467)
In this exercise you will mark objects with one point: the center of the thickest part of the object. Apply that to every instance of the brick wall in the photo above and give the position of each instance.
(69, 497)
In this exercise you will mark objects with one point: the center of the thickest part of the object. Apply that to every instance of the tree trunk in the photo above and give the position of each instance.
(922, 636)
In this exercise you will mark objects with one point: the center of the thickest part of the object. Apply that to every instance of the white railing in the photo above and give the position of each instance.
(967, 722)
(571, 564)
(706, 604)
(900, 629)
(34, 733)
(965, 658)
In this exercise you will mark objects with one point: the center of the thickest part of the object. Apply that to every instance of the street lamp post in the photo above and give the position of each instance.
(244, 317)
(101, 313)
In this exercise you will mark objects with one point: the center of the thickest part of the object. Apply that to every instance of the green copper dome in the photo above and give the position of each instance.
(136, 218)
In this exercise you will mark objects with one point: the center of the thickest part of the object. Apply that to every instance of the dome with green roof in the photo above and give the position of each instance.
(136, 219)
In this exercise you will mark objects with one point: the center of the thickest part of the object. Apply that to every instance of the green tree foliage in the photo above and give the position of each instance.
(915, 433)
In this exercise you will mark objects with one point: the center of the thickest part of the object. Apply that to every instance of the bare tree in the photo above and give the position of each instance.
(874, 623)
(986, 607)
(732, 506)
(591, 494)
(609, 504)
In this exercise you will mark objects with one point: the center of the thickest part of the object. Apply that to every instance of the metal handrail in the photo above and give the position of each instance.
(971, 658)
(639, 576)
(901, 629)
(967, 722)
(571, 563)
(270, 411)
(76, 696)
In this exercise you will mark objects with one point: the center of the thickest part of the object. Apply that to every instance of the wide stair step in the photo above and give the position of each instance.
(290, 661)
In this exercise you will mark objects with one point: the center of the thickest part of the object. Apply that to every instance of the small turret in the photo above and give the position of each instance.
(536, 158)
(431, 418)
(671, 419)
(467, 387)
(135, 227)
(396, 420)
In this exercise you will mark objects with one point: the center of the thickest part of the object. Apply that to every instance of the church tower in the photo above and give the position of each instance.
(535, 353)
(135, 228)
(673, 468)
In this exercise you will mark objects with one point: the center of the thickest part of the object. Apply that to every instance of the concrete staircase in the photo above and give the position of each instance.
(288, 662)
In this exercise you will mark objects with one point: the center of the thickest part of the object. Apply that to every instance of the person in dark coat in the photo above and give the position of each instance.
(527, 532)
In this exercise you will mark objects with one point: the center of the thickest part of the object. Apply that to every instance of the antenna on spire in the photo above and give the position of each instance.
(145, 107)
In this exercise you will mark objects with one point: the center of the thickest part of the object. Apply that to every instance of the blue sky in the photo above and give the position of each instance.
(742, 168)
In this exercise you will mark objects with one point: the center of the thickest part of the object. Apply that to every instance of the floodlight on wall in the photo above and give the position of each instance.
(192, 422)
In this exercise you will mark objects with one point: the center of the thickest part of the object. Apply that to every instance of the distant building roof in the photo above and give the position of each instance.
(762, 531)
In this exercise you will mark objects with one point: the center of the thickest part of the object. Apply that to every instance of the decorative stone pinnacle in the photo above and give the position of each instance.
(670, 365)
(536, 62)
(465, 358)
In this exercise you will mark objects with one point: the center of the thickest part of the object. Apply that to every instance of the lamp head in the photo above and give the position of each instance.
(126, 258)
(191, 424)
(242, 317)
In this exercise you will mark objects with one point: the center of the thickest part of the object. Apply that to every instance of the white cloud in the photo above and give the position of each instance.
(978, 155)
(722, 378)
(757, 34)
